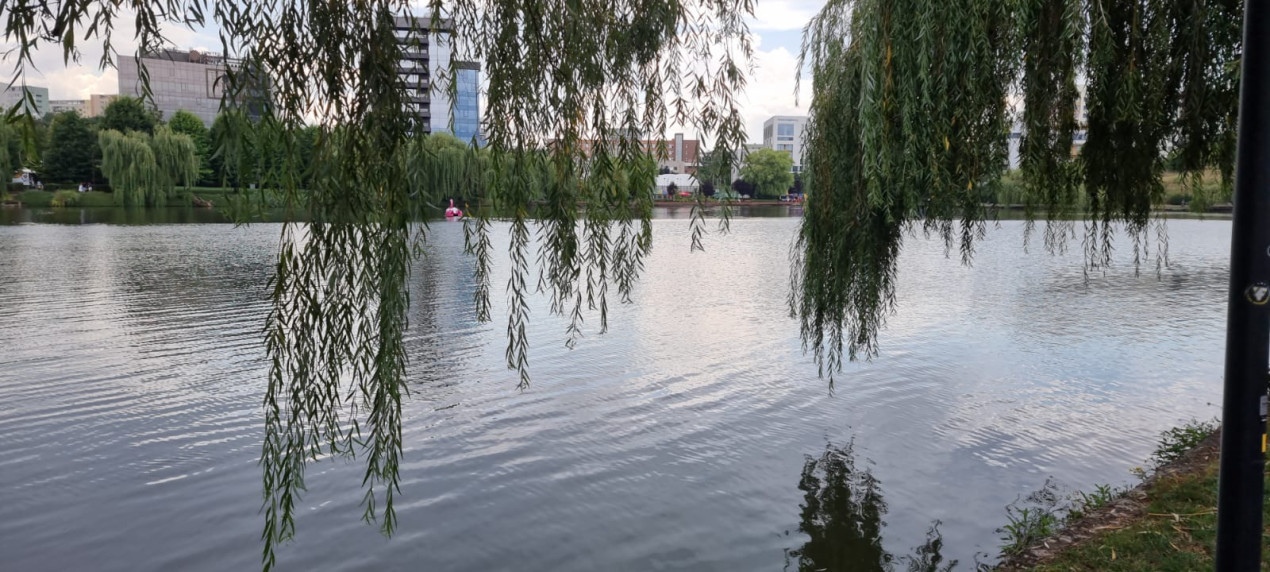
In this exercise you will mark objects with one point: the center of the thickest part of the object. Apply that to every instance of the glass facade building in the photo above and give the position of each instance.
(467, 96)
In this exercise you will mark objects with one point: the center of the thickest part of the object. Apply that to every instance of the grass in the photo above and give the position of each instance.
(44, 199)
(1177, 533)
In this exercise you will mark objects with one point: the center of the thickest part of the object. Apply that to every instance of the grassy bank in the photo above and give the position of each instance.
(44, 199)
(1167, 523)
(219, 197)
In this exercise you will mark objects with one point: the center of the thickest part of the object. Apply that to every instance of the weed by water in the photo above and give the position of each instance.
(1032, 518)
(1177, 441)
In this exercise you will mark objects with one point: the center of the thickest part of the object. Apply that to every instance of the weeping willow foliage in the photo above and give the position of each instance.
(128, 162)
(8, 162)
(573, 88)
(145, 170)
(909, 110)
(907, 128)
(1052, 34)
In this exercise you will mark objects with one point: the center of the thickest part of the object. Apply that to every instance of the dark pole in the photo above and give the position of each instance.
(1243, 440)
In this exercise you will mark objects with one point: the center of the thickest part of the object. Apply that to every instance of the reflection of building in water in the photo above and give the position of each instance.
(842, 514)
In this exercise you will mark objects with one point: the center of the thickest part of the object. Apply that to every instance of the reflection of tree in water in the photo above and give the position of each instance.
(842, 513)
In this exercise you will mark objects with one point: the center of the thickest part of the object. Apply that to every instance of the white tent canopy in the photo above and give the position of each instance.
(684, 183)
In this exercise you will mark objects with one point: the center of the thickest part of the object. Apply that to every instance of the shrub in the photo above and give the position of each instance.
(1177, 199)
(64, 199)
(1177, 441)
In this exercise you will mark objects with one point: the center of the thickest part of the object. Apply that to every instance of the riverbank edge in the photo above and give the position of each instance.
(1128, 510)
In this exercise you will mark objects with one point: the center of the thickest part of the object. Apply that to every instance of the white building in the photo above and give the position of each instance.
(785, 133)
(79, 106)
(683, 183)
(11, 96)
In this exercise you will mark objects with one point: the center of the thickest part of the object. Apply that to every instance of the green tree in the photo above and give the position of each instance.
(10, 152)
(126, 114)
(716, 167)
(233, 141)
(145, 170)
(770, 172)
(72, 150)
(189, 124)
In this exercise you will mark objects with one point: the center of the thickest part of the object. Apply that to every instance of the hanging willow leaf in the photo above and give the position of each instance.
(603, 73)
(906, 130)
(908, 118)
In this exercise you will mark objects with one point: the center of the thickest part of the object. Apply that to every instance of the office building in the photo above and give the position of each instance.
(467, 102)
(79, 106)
(426, 51)
(785, 133)
(677, 155)
(38, 103)
(97, 103)
(191, 80)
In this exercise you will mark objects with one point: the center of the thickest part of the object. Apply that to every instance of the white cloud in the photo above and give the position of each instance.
(784, 14)
(78, 80)
(771, 90)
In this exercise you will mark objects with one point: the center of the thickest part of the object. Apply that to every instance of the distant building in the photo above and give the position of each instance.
(79, 106)
(191, 80)
(1015, 142)
(467, 102)
(97, 103)
(785, 133)
(426, 53)
(678, 155)
(38, 103)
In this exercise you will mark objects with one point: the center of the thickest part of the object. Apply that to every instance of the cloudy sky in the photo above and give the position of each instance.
(777, 28)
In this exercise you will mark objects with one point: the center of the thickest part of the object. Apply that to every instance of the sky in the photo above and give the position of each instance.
(776, 27)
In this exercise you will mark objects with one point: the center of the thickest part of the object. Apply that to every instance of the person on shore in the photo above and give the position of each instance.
(81, 187)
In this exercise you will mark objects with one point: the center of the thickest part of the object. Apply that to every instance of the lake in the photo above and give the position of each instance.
(694, 435)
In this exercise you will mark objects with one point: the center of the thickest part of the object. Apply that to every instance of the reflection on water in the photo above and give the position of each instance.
(131, 376)
(842, 513)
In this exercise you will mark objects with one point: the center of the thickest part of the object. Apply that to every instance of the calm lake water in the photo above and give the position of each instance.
(695, 435)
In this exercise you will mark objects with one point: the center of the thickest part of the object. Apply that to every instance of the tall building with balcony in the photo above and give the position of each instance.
(785, 133)
(426, 53)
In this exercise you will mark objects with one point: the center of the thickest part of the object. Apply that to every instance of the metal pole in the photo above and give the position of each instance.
(1243, 440)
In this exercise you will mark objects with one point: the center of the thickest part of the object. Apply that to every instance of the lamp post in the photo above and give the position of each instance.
(1243, 441)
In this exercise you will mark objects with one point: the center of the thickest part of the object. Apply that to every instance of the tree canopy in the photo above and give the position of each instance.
(908, 112)
(189, 124)
(146, 169)
(126, 114)
(72, 149)
(769, 171)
